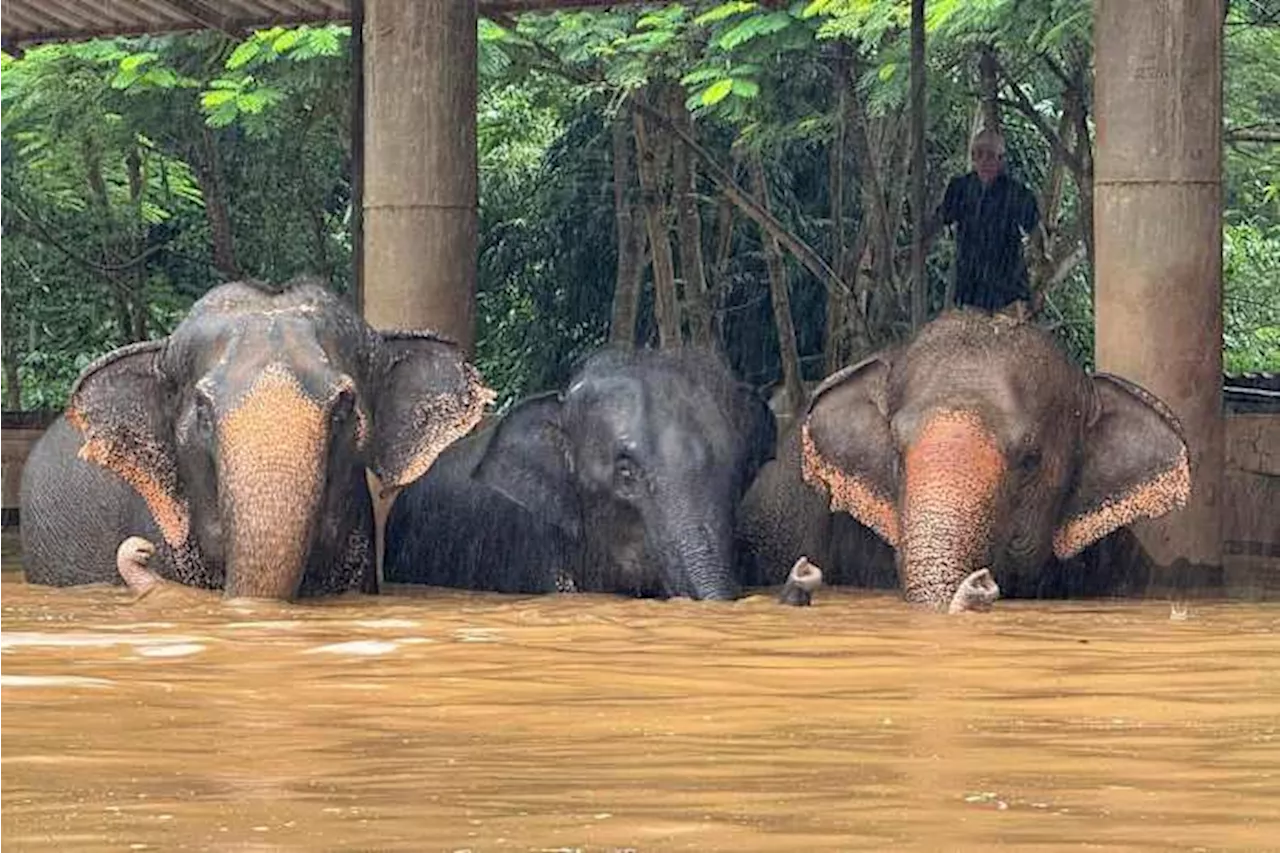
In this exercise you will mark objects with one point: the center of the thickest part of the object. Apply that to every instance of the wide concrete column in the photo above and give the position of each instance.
(1158, 235)
(420, 204)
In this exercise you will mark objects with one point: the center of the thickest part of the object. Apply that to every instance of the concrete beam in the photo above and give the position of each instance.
(420, 207)
(1158, 234)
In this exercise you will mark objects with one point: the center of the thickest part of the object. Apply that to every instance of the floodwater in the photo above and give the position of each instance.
(448, 721)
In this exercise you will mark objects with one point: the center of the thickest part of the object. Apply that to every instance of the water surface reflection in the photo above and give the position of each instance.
(451, 721)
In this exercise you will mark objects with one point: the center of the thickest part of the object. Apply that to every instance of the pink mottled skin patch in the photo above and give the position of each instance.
(953, 470)
(1161, 494)
(272, 446)
(169, 511)
(848, 493)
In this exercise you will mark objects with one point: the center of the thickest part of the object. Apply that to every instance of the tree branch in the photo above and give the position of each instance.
(1023, 105)
(802, 251)
(1243, 134)
(47, 237)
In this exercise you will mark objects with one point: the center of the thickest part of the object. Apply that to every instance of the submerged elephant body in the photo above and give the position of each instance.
(978, 445)
(626, 482)
(239, 444)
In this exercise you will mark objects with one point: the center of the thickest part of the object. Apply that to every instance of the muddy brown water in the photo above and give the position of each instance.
(448, 721)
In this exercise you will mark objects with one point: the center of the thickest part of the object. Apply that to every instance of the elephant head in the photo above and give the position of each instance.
(980, 446)
(642, 461)
(249, 429)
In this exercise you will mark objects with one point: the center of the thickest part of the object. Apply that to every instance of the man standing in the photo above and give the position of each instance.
(992, 212)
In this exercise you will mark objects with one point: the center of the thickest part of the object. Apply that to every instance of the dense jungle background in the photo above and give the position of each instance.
(725, 173)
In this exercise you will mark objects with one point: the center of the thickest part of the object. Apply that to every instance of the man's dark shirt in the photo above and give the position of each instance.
(990, 271)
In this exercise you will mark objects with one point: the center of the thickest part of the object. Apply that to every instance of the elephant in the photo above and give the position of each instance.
(977, 451)
(625, 482)
(241, 444)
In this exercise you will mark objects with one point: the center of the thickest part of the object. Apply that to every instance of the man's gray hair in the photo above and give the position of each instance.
(988, 137)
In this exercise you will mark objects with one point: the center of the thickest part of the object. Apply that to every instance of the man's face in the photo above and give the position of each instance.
(987, 162)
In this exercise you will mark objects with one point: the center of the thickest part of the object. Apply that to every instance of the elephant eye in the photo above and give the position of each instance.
(204, 416)
(1030, 459)
(343, 408)
(626, 474)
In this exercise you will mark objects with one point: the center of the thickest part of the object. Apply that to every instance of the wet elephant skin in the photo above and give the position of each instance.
(625, 482)
(239, 444)
(977, 445)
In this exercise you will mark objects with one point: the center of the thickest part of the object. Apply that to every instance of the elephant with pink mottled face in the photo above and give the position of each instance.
(979, 451)
(238, 447)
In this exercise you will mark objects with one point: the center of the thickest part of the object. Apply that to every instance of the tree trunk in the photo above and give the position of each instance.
(803, 252)
(1084, 180)
(9, 356)
(919, 283)
(1042, 245)
(862, 341)
(877, 222)
(689, 227)
(626, 287)
(720, 272)
(138, 229)
(988, 89)
(835, 339)
(649, 166)
(788, 351)
(209, 175)
(12, 383)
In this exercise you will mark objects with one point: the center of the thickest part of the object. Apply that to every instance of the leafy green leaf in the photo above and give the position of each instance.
(717, 92)
(244, 53)
(724, 10)
(284, 42)
(753, 27)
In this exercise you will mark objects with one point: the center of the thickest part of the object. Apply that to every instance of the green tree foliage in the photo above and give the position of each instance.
(139, 172)
(132, 185)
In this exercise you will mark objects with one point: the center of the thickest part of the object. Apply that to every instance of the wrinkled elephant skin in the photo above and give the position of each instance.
(982, 454)
(239, 446)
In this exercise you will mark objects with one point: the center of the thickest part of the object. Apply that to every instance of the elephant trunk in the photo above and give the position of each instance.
(697, 556)
(272, 468)
(953, 471)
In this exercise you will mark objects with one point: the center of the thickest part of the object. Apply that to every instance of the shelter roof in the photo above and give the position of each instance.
(30, 21)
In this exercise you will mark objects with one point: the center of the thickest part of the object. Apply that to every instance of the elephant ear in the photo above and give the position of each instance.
(426, 397)
(848, 449)
(121, 404)
(529, 460)
(1135, 466)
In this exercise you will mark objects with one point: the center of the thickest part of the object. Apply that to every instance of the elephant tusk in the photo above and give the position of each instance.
(383, 498)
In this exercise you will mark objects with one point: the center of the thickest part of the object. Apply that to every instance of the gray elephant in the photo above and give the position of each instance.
(626, 482)
(239, 446)
(976, 449)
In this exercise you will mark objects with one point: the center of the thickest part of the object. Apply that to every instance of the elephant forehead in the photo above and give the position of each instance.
(249, 352)
(1016, 408)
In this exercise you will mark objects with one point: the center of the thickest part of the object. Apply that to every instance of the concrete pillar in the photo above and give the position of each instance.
(1158, 233)
(420, 203)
